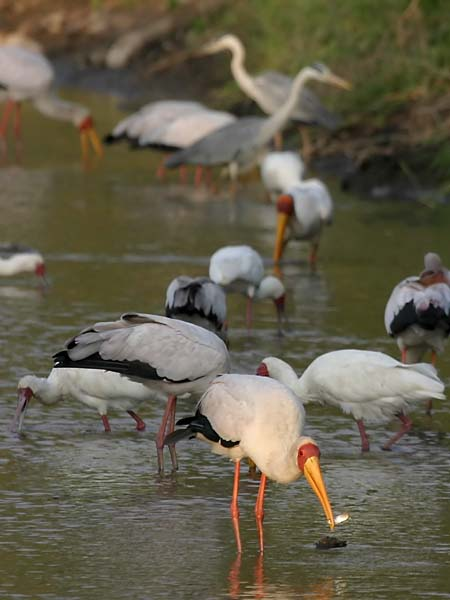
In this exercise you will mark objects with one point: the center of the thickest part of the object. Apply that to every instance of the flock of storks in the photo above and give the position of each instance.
(123, 364)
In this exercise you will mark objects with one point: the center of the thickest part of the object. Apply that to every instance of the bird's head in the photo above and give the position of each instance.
(89, 136)
(322, 73)
(25, 394)
(309, 464)
(285, 210)
(225, 42)
(272, 287)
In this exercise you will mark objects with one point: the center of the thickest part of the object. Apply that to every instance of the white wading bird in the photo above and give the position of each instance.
(242, 144)
(240, 269)
(102, 390)
(255, 417)
(200, 301)
(28, 75)
(371, 386)
(279, 171)
(16, 258)
(270, 89)
(166, 355)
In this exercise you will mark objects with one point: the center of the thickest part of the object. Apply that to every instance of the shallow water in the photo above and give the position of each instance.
(84, 515)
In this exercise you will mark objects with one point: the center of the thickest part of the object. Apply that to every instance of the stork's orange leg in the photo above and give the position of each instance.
(234, 509)
(259, 511)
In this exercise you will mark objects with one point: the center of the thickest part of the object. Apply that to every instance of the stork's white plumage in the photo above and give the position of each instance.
(371, 386)
(255, 417)
(240, 269)
(417, 313)
(16, 258)
(198, 300)
(303, 211)
(102, 390)
(28, 75)
(280, 171)
(166, 355)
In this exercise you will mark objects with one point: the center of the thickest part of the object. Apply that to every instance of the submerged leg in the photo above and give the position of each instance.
(312, 258)
(365, 446)
(259, 511)
(170, 429)
(406, 426)
(106, 423)
(162, 432)
(140, 425)
(198, 177)
(234, 509)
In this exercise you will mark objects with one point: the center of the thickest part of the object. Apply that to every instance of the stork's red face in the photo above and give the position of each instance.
(40, 272)
(308, 462)
(88, 135)
(262, 370)
(285, 210)
(24, 394)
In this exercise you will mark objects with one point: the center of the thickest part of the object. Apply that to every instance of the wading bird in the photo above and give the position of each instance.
(270, 89)
(255, 417)
(303, 211)
(371, 386)
(102, 390)
(243, 143)
(240, 269)
(279, 171)
(200, 301)
(166, 355)
(16, 258)
(28, 75)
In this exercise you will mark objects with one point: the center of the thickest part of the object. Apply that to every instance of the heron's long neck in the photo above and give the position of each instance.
(241, 75)
(279, 119)
(52, 106)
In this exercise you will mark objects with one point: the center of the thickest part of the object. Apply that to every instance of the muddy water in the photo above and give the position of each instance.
(83, 514)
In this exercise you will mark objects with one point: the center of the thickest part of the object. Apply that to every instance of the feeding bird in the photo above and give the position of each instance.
(102, 390)
(240, 269)
(243, 143)
(200, 301)
(270, 89)
(279, 171)
(17, 258)
(261, 419)
(166, 355)
(371, 386)
(28, 75)
(303, 211)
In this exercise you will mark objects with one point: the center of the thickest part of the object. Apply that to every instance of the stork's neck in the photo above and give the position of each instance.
(52, 106)
(279, 119)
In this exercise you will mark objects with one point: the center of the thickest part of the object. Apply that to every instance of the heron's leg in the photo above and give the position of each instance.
(259, 511)
(171, 404)
(198, 175)
(365, 446)
(106, 424)
(140, 425)
(9, 106)
(406, 426)
(234, 509)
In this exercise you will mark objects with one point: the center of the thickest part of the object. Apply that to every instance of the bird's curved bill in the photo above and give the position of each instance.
(17, 422)
(89, 138)
(314, 477)
(282, 221)
(339, 82)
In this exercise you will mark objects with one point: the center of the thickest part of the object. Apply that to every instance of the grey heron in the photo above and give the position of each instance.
(241, 144)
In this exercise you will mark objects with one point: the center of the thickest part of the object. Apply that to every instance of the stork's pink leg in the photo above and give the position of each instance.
(259, 511)
(406, 426)
(234, 509)
(9, 106)
(170, 428)
(365, 446)
(18, 130)
(170, 410)
(183, 174)
(248, 317)
(106, 424)
(140, 425)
